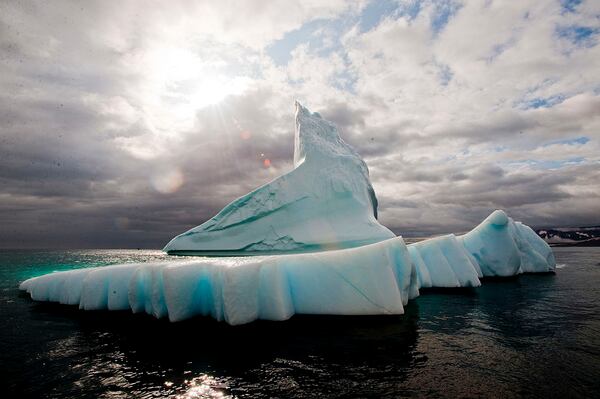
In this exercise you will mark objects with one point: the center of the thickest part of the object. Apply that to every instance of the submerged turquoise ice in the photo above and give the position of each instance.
(373, 279)
(319, 247)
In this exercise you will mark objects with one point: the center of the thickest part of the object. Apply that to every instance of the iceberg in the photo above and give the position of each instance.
(317, 249)
(326, 202)
(374, 279)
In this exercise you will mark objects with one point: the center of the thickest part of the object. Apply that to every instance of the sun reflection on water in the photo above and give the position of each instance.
(203, 387)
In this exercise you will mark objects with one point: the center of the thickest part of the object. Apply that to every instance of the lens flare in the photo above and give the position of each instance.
(245, 135)
(122, 223)
(169, 181)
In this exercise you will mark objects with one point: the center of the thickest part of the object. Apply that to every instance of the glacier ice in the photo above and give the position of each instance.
(376, 278)
(325, 202)
(318, 250)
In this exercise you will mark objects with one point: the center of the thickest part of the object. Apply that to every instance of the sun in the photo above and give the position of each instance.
(180, 83)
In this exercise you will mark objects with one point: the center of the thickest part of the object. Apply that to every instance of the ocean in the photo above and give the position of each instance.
(531, 335)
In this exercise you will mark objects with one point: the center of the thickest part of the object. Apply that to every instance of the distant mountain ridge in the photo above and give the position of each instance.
(571, 236)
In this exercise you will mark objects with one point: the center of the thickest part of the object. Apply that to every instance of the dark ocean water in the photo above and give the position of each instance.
(534, 335)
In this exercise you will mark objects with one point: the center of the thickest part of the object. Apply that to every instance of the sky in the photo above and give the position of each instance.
(124, 123)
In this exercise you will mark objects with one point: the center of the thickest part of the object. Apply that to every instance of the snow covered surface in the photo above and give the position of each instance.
(378, 278)
(326, 202)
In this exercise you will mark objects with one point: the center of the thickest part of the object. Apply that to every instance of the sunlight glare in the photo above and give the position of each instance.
(204, 387)
(182, 83)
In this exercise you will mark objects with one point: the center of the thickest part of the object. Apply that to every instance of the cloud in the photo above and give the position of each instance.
(123, 125)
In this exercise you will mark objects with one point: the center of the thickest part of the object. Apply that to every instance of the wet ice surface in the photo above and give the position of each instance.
(535, 335)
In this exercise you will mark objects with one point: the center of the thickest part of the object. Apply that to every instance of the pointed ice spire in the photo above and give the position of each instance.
(325, 202)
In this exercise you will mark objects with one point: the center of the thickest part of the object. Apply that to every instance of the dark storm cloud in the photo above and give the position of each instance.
(66, 182)
(533, 197)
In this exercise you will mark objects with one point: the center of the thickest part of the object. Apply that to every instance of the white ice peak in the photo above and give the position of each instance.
(325, 202)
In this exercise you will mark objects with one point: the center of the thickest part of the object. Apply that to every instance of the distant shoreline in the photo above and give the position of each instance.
(590, 243)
